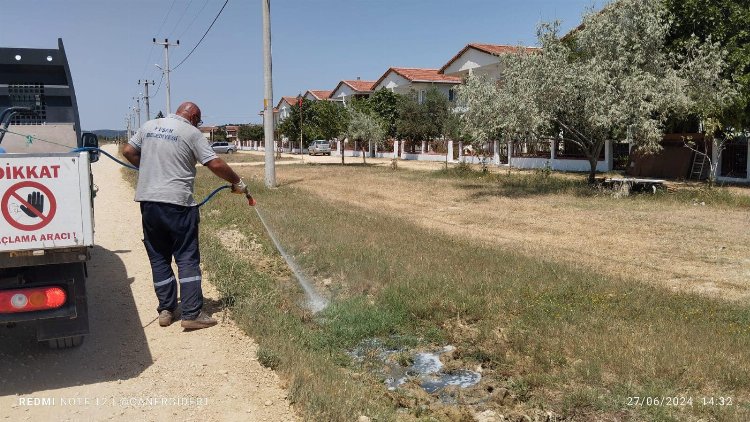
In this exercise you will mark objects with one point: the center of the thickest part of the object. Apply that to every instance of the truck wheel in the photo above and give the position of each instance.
(65, 342)
(230, 151)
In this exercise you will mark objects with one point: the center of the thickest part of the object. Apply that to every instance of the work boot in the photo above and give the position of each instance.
(166, 317)
(202, 321)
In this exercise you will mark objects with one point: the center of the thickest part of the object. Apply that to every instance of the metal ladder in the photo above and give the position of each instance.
(699, 165)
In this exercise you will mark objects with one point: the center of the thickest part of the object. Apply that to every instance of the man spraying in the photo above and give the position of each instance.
(166, 151)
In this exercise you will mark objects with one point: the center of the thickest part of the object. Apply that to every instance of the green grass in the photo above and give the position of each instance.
(557, 337)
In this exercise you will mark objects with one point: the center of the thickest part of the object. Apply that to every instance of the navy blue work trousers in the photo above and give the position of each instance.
(172, 231)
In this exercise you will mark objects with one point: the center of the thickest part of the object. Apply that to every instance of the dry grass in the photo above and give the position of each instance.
(682, 245)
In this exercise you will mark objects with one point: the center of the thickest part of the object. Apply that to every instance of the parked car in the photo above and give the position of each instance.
(319, 147)
(223, 148)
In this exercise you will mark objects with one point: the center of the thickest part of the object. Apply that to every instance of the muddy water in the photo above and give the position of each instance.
(425, 368)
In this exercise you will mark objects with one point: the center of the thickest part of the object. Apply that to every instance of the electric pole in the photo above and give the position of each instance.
(270, 144)
(138, 108)
(146, 83)
(166, 69)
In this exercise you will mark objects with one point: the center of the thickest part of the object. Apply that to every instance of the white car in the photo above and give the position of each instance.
(223, 148)
(319, 146)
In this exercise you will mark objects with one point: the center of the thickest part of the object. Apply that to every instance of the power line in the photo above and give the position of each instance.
(204, 35)
(159, 87)
(166, 17)
(180, 19)
(194, 19)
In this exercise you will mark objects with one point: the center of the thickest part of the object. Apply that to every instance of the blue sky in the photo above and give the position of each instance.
(316, 43)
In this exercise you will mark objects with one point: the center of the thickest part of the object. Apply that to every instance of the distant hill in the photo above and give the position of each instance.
(108, 133)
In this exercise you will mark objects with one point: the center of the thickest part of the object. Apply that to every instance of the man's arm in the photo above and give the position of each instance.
(131, 154)
(220, 168)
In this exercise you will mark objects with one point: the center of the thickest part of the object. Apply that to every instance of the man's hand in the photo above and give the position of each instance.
(239, 187)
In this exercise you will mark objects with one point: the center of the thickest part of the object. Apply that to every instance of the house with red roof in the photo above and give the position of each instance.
(347, 90)
(403, 80)
(317, 95)
(480, 59)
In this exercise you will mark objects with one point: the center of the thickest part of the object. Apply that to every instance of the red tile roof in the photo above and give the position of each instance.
(320, 94)
(493, 49)
(420, 75)
(360, 87)
(292, 101)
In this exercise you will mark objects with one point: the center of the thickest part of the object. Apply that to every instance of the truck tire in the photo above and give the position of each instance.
(230, 151)
(65, 342)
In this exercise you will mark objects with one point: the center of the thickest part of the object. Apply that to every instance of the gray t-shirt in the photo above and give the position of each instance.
(170, 148)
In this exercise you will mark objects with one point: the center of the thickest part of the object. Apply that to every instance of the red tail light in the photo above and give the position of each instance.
(33, 299)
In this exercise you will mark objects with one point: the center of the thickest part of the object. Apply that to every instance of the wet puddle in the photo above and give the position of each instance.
(398, 366)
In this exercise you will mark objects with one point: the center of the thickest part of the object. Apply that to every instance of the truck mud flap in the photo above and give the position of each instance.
(56, 328)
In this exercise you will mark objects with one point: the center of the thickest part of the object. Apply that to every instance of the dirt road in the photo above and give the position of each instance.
(129, 368)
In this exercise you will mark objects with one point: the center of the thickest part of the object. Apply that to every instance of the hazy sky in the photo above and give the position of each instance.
(316, 43)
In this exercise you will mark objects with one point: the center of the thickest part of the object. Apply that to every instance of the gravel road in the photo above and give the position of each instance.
(129, 368)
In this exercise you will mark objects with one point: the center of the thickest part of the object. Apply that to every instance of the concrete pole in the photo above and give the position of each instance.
(268, 96)
(146, 83)
(138, 108)
(166, 69)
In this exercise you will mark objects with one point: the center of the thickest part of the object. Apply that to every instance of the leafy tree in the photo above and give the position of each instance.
(290, 126)
(385, 103)
(219, 134)
(437, 108)
(366, 127)
(614, 79)
(413, 123)
(250, 132)
(725, 22)
(329, 119)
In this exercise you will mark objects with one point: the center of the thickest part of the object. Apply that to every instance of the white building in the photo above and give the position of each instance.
(403, 80)
(480, 59)
(345, 91)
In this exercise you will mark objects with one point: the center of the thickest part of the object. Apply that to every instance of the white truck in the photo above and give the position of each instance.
(46, 197)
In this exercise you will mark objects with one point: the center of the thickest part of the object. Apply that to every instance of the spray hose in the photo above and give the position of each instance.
(250, 200)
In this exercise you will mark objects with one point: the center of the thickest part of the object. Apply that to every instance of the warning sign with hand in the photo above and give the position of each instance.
(36, 205)
(23, 205)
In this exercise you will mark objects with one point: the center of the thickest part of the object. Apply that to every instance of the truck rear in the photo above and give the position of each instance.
(46, 197)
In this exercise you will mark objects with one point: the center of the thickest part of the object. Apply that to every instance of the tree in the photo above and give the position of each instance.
(614, 79)
(366, 127)
(437, 109)
(292, 124)
(329, 119)
(724, 22)
(219, 134)
(385, 103)
(413, 123)
(250, 132)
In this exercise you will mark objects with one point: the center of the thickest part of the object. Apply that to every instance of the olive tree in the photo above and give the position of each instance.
(365, 126)
(611, 79)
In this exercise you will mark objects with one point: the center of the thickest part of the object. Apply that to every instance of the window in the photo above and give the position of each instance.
(422, 96)
(451, 95)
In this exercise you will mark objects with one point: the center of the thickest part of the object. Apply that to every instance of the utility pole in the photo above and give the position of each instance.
(166, 69)
(270, 144)
(127, 123)
(138, 108)
(146, 83)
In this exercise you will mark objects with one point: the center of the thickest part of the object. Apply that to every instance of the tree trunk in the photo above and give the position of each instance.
(592, 172)
(343, 151)
(362, 145)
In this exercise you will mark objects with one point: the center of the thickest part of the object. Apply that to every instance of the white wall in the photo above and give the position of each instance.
(479, 62)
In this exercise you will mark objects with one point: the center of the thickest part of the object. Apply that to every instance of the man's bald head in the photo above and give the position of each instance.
(190, 112)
